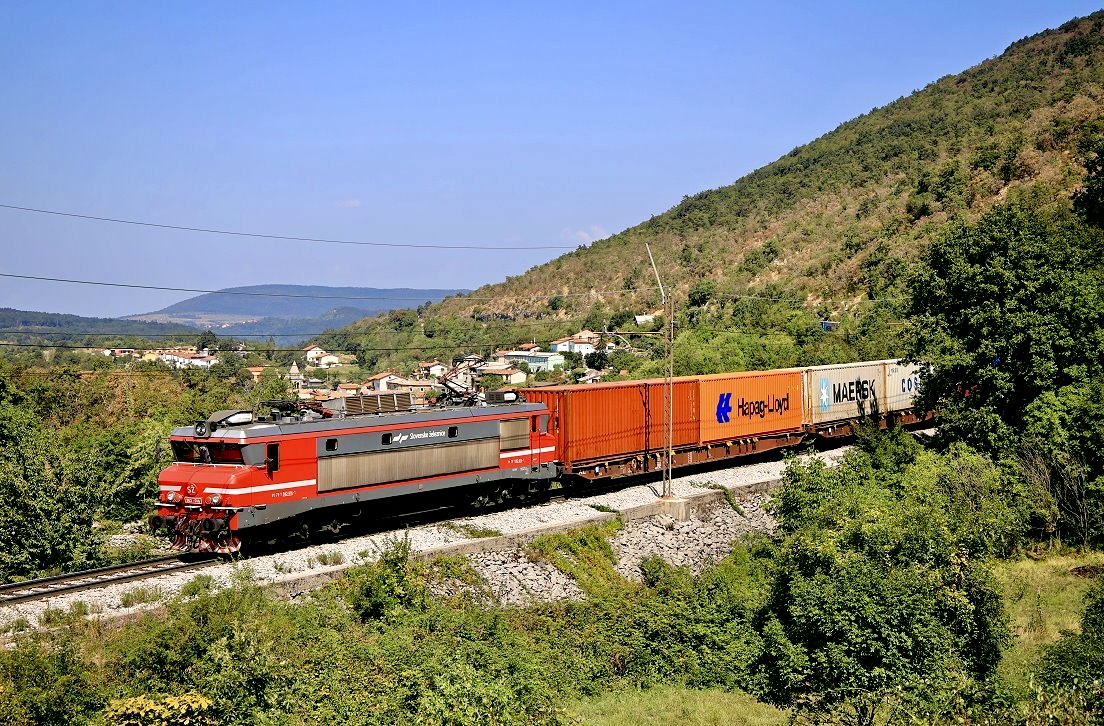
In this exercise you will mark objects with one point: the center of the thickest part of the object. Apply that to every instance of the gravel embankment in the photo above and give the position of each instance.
(701, 540)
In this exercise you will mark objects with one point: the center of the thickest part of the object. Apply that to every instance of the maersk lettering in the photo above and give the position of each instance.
(760, 408)
(858, 390)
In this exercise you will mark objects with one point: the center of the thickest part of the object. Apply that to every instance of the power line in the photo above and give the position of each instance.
(234, 336)
(590, 293)
(460, 344)
(289, 238)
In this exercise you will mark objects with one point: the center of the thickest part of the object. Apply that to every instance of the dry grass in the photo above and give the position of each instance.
(1043, 598)
(674, 705)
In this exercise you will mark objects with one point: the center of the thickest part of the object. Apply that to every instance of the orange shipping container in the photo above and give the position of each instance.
(744, 405)
(608, 421)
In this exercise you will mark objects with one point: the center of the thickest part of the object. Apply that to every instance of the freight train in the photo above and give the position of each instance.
(241, 474)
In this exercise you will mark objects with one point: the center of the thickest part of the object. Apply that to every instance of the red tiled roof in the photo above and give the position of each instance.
(501, 372)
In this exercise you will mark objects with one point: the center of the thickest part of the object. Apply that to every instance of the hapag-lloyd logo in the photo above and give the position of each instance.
(745, 408)
(432, 434)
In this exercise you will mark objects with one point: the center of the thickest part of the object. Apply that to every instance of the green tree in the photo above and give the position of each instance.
(879, 587)
(1007, 310)
(1078, 658)
(701, 292)
(1089, 200)
(572, 359)
(598, 360)
(45, 516)
(134, 489)
(207, 340)
(271, 387)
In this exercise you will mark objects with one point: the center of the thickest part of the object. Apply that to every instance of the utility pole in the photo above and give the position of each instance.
(668, 379)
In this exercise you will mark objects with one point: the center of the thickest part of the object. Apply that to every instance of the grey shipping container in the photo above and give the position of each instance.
(845, 392)
(902, 385)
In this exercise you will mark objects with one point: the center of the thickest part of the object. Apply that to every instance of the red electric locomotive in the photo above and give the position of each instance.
(236, 473)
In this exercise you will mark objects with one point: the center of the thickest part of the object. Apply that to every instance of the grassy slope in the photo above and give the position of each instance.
(820, 222)
(676, 705)
(1043, 599)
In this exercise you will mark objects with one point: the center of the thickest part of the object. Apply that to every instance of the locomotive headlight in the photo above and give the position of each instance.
(172, 497)
(216, 499)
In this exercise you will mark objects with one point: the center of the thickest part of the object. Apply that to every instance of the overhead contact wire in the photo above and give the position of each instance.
(289, 238)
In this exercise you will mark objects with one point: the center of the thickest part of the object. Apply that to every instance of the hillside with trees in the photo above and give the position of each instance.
(827, 232)
(833, 220)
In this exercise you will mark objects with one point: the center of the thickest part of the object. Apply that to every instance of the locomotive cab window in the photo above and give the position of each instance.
(273, 457)
(206, 452)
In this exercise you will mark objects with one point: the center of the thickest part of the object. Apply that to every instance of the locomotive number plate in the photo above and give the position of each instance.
(193, 500)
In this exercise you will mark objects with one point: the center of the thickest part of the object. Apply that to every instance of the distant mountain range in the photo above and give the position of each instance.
(25, 325)
(254, 302)
(289, 313)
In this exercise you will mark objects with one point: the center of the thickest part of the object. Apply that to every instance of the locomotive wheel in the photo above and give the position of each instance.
(490, 496)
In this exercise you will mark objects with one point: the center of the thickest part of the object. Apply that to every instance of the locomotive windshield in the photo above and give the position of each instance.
(195, 452)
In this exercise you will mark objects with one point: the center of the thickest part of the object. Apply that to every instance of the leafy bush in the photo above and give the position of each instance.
(191, 708)
(393, 583)
(44, 681)
(879, 584)
(1078, 658)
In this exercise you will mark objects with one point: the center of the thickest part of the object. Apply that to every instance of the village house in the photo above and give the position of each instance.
(431, 369)
(196, 360)
(381, 381)
(313, 354)
(536, 359)
(349, 389)
(508, 376)
(591, 376)
(574, 344)
(417, 387)
(120, 352)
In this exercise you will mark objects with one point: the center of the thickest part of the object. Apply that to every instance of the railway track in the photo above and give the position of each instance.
(46, 587)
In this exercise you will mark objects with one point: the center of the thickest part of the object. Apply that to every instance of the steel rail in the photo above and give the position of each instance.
(46, 587)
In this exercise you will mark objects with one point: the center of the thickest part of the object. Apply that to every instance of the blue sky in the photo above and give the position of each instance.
(494, 124)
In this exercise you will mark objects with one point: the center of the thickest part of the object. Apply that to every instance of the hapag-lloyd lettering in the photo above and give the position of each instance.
(760, 408)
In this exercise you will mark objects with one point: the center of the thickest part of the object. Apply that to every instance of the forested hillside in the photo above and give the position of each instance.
(828, 220)
(22, 326)
(828, 231)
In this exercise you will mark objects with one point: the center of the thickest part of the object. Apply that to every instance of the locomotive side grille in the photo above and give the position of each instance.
(514, 433)
(382, 467)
